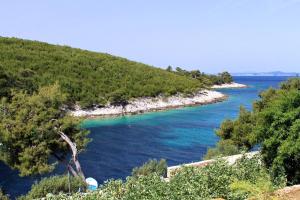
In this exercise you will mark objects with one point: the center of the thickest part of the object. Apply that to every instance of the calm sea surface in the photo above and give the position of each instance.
(180, 136)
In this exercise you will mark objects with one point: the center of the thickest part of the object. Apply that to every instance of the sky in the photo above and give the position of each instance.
(209, 35)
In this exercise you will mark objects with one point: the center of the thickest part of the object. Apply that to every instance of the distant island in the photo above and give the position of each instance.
(275, 73)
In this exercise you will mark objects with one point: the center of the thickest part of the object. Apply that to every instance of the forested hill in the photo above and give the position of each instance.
(87, 77)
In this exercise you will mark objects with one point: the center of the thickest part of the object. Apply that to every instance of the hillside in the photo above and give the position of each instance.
(88, 77)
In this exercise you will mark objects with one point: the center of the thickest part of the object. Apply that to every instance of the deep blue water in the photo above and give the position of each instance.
(180, 136)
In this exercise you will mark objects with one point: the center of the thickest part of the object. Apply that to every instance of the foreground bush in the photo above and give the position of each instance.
(261, 190)
(223, 148)
(54, 185)
(152, 166)
(213, 181)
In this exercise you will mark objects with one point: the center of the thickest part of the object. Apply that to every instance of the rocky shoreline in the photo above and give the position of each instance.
(147, 104)
(229, 85)
(142, 105)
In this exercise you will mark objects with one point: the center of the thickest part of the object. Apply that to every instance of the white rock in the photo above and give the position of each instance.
(151, 104)
(229, 85)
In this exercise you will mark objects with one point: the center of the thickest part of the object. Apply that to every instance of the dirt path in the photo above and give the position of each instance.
(289, 193)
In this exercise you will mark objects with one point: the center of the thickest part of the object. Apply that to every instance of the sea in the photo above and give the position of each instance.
(180, 135)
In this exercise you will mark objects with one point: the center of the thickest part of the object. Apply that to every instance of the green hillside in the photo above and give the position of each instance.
(88, 77)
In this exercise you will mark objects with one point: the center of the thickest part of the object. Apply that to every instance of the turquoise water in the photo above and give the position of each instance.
(180, 136)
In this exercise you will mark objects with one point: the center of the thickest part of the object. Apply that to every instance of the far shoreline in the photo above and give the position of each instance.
(152, 111)
(156, 104)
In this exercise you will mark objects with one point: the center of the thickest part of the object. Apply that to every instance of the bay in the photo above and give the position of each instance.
(179, 136)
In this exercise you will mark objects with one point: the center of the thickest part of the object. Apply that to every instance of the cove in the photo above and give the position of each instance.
(180, 136)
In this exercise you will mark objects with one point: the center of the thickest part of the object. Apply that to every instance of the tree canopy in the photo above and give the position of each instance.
(92, 78)
(204, 79)
(34, 130)
(151, 166)
(88, 77)
(274, 125)
(278, 129)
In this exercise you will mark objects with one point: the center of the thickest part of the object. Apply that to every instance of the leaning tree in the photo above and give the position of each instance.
(36, 133)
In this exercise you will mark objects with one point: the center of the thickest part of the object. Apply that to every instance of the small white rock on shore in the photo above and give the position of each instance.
(141, 105)
(229, 85)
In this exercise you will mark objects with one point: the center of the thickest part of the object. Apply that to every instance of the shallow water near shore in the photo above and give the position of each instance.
(181, 135)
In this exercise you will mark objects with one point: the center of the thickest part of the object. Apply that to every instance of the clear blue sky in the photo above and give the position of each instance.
(210, 35)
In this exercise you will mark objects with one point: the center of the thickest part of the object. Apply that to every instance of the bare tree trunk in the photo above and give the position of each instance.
(68, 165)
(74, 156)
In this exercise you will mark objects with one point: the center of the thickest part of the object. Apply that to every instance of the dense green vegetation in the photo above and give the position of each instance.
(159, 167)
(206, 79)
(22, 81)
(39, 81)
(54, 185)
(36, 132)
(274, 124)
(60, 184)
(89, 77)
(223, 148)
(218, 180)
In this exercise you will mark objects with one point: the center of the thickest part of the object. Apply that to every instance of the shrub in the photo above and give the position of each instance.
(151, 166)
(261, 190)
(217, 180)
(54, 185)
(223, 148)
